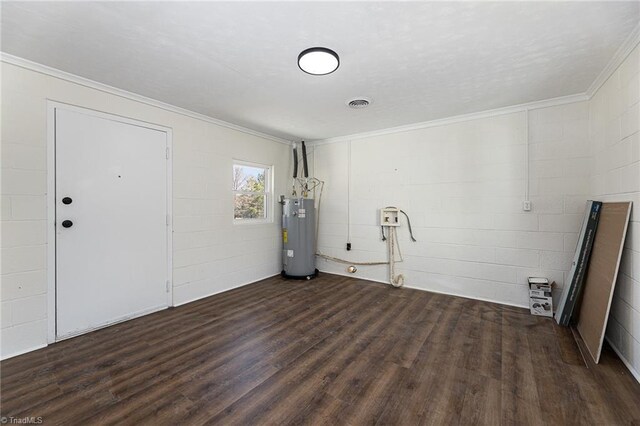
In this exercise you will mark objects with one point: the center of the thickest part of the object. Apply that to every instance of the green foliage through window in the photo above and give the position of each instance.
(250, 192)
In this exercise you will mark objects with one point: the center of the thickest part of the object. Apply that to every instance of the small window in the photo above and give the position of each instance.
(251, 192)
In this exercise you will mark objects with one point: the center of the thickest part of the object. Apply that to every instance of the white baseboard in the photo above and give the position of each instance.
(627, 364)
(223, 291)
(483, 299)
(24, 351)
(633, 371)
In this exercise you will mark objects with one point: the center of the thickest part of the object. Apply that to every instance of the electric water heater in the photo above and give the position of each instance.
(298, 238)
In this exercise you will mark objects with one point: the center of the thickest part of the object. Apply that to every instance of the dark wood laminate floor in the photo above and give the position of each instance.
(330, 351)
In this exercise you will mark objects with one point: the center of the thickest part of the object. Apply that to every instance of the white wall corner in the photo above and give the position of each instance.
(616, 60)
(635, 373)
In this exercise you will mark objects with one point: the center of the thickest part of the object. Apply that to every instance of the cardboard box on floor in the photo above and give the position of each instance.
(540, 299)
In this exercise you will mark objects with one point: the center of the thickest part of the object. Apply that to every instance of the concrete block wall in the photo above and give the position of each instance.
(210, 253)
(463, 185)
(614, 124)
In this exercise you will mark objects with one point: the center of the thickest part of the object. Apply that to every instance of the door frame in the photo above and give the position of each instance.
(52, 106)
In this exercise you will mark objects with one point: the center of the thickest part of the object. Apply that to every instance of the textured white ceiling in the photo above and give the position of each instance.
(236, 61)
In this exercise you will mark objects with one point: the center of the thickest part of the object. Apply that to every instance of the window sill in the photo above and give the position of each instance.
(252, 221)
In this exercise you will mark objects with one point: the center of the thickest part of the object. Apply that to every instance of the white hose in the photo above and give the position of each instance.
(396, 281)
(349, 262)
(321, 184)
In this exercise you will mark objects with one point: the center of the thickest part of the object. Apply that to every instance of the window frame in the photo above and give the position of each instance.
(268, 193)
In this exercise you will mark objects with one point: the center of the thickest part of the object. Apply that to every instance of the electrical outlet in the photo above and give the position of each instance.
(526, 206)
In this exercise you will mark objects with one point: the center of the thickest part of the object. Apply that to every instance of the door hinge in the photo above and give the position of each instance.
(167, 153)
(168, 284)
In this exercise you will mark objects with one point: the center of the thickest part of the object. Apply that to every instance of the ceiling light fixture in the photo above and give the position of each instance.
(318, 61)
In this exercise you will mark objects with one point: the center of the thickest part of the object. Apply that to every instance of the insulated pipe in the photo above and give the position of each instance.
(304, 160)
(295, 162)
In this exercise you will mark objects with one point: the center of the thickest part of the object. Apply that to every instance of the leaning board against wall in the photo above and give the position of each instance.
(602, 275)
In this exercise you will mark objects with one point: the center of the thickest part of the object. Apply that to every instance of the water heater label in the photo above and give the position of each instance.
(289, 253)
(302, 213)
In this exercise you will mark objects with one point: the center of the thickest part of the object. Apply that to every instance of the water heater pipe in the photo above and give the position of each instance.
(304, 160)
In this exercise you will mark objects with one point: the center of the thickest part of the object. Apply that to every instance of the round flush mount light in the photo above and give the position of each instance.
(318, 61)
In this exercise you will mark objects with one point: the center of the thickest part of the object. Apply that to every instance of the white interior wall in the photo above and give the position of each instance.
(463, 186)
(614, 123)
(210, 253)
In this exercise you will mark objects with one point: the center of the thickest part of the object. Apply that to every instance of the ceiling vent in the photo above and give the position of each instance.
(359, 103)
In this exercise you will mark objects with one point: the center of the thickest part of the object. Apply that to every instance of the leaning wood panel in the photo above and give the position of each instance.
(602, 274)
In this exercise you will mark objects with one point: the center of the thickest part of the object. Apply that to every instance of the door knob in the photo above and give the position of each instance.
(67, 224)
(67, 200)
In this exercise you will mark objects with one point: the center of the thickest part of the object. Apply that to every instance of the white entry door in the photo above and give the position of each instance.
(111, 221)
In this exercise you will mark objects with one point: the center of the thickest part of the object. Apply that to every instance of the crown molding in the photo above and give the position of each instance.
(621, 54)
(72, 78)
(630, 43)
(459, 118)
